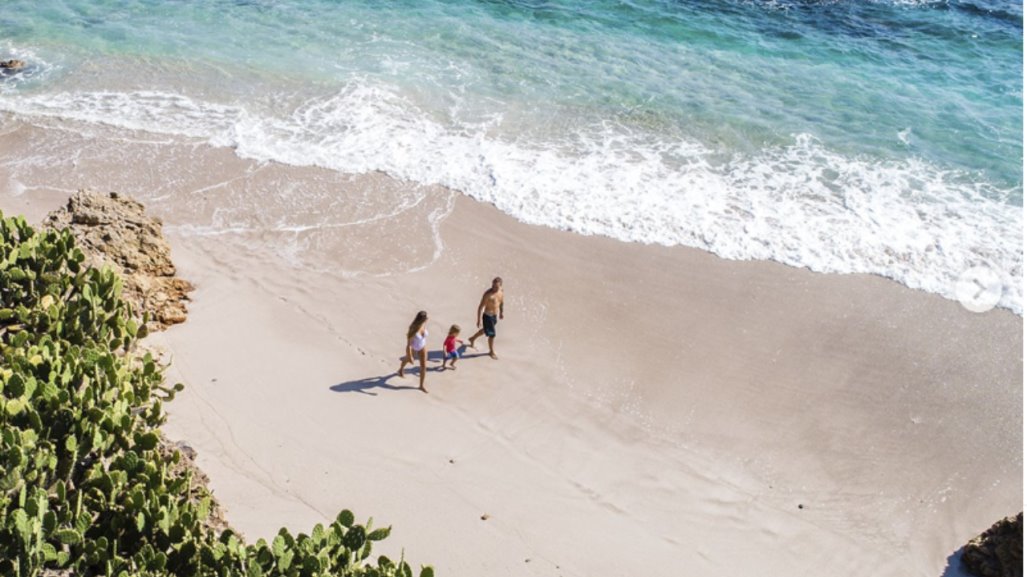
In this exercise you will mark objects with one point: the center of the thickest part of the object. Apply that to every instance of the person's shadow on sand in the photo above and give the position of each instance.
(955, 568)
(382, 382)
(363, 385)
(437, 356)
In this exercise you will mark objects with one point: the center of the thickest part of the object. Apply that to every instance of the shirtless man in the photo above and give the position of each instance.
(491, 304)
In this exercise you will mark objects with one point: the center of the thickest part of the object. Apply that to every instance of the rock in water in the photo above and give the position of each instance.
(997, 552)
(112, 229)
(6, 65)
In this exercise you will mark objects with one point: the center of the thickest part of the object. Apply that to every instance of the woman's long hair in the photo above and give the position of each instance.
(419, 320)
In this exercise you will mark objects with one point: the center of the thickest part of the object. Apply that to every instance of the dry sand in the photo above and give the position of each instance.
(655, 411)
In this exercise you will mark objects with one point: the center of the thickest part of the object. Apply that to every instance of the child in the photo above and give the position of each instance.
(449, 352)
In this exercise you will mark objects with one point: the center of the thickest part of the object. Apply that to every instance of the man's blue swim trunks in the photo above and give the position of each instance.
(488, 322)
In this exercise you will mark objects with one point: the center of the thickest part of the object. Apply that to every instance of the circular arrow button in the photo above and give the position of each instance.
(979, 289)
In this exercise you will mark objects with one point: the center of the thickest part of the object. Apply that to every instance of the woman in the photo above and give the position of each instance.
(417, 341)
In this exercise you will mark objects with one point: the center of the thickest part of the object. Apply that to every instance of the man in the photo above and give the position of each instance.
(491, 305)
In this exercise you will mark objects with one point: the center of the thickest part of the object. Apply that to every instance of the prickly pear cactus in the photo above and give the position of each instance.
(82, 484)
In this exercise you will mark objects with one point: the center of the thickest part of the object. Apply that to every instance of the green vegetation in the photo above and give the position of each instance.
(86, 484)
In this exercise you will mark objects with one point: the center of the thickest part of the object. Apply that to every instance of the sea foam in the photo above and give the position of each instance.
(801, 203)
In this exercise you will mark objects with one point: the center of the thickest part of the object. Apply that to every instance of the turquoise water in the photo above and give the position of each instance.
(880, 136)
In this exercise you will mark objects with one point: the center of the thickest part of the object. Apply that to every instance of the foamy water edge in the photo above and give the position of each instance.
(800, 204)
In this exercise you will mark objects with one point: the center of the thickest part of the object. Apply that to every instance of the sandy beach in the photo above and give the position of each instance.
(654, 410)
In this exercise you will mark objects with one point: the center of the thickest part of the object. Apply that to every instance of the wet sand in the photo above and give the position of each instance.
(654, 411)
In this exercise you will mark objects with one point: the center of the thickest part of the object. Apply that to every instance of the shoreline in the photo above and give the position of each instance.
(927, 241)
(697, 401)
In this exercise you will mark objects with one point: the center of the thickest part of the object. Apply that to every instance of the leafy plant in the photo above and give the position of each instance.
(84, 485)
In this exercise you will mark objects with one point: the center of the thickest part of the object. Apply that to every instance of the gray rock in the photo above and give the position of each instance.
(998, 552)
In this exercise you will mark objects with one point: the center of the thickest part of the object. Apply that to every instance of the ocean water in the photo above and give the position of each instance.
(878, 136)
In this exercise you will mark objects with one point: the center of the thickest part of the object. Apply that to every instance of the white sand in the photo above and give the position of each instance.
(655, 411)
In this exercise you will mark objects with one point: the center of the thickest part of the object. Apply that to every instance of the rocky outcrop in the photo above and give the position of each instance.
(112, 229)
(998, 552)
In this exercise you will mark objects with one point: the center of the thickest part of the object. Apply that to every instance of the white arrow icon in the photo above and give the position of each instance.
(979, 289)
